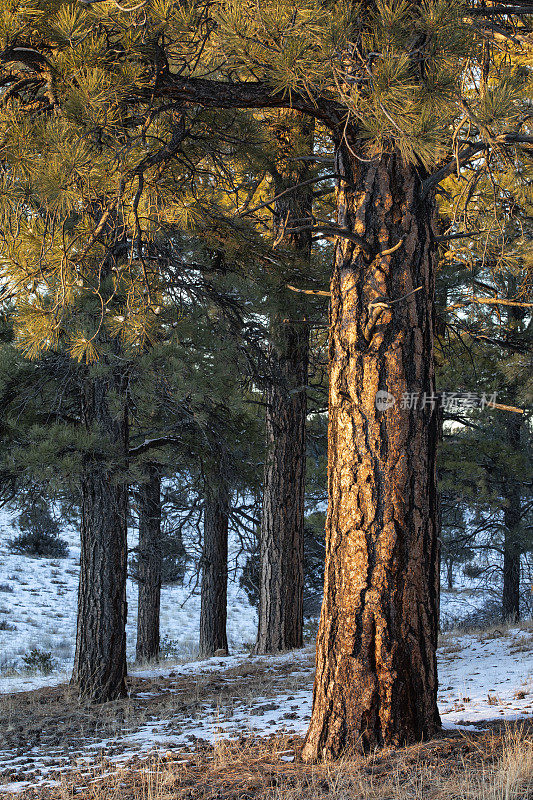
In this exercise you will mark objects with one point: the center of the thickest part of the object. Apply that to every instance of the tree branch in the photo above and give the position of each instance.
(468, 154)
(489, 301)
(516, 9)
(152, 444)
(247, 94)
(309, 291)
(287, 191)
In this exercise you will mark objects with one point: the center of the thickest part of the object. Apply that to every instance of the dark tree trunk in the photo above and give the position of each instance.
(440, 435)
(213, 609)
(149, 566)
(512, 515)
(512, 492)
(282, 535)
(100, 661)
(376, 678)
(282, 523)
(449, 573)
(511, 570)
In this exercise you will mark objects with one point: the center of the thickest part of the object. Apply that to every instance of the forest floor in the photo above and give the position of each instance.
(233, 727)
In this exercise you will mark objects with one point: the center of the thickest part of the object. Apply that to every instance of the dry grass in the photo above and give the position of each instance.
(494, 765)
(496, 631)
(512, 776)
(504, 629)
(450, 641)
(497, 765)
(450, 648)
(50, 726)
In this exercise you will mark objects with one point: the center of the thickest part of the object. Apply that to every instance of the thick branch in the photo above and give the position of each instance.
(247, 94)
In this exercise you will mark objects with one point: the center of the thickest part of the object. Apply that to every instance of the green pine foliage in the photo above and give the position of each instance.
(136, 225)
(39, 534)
(486, 297)
(314, 550)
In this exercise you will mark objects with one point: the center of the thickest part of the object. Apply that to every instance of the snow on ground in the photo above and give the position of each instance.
(38, 598)
(27, 683)
(484, 678)
(283, 712)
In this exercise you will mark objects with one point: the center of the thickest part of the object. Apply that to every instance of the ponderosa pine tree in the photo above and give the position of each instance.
(59, 447)
(513, 486)
(85, 221)
(103, 275)
(214, 566)
(386, 79)
(514, 482)
(486, 467)
(100, 660)
(229, 434)
(282, 523)
(149, 563)
(52, 449)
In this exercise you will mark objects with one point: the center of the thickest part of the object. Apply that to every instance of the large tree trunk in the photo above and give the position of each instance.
(282, 523)
(100, 661)
(149, 566)
(213, 608)
(376, 676)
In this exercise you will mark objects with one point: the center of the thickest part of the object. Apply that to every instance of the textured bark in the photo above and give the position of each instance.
(100, 661)
(282, 524)
(213, 607)
(512, 516)
(511, 569)
(149, 566)
(282, 535)
(376, 678)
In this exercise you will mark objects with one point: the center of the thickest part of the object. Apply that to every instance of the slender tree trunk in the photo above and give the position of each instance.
(449, 573)
(149, 566)
(512, 492)
(440, 436)
(376, 677)
(511, 570)
(281, 584)
(282, 524)
(512, 516)
(213, 608)
(100, 661)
